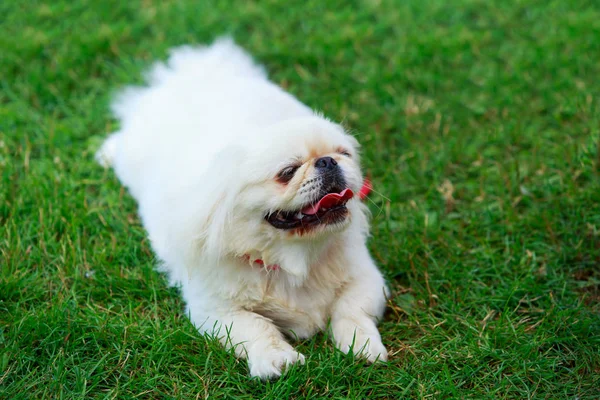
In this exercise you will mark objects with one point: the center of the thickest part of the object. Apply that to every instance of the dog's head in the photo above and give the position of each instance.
(285, 193)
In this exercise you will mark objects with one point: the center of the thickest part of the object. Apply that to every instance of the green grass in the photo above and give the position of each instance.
(480, 123)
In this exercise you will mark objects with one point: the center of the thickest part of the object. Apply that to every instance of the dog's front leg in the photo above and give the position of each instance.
(252, 336)
(358, 307)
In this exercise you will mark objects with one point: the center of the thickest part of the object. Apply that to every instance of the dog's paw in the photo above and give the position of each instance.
(365, 343)
(270, 361)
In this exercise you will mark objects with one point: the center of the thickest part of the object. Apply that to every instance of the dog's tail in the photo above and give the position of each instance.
(222, 58)
(105, 156)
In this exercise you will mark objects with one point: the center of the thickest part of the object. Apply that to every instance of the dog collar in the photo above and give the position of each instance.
(259, 262)
(364, 191)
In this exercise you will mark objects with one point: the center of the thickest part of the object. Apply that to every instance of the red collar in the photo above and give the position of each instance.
(258, 261)
(364, 191)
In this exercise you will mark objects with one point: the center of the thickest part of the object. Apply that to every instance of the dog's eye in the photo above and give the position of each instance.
(345, 153)
(286, 174)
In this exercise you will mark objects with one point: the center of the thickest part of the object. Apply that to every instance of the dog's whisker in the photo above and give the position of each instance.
(376, 205)
(381, 194)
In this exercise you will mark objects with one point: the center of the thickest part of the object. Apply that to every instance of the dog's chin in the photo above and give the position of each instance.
(313, 218)
(331, 219)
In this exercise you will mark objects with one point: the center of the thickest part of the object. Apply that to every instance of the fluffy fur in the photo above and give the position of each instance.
(200, 149)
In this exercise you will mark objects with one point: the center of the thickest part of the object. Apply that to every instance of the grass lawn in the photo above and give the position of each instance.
(480, 126)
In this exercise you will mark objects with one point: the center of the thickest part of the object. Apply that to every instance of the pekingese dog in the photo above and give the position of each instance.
(249, 200)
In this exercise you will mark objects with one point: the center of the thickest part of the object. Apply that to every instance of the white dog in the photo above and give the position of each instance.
(249, 200)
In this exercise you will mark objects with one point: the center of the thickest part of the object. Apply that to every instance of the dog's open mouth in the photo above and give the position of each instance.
(330, 209)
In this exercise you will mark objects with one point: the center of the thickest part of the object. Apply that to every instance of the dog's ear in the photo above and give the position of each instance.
(192, 229)
(221, 190)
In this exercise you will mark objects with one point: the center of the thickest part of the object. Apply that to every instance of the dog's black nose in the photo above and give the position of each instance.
(325, 163)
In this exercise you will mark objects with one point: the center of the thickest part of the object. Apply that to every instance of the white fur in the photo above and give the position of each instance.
(199, 149)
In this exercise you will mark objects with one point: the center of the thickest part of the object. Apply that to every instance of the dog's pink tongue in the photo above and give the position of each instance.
(328, 201)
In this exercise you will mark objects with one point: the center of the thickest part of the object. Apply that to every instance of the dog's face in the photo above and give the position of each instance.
(308, 182)
(304, 180)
